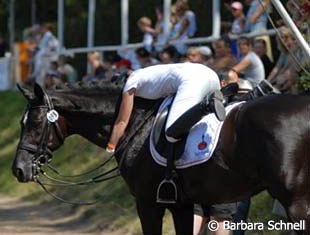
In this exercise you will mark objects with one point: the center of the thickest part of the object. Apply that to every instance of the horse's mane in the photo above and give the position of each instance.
(93, 97)
(89, 97)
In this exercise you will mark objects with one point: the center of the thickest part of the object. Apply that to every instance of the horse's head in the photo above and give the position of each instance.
(41, 133)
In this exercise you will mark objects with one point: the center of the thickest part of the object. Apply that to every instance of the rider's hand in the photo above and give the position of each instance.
(110, 148)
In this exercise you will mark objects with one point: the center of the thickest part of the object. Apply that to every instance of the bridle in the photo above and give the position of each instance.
(43, 155)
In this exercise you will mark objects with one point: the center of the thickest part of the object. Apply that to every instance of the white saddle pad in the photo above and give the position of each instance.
(200, 143)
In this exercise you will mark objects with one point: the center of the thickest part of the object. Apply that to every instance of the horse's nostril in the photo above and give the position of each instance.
(19, 175)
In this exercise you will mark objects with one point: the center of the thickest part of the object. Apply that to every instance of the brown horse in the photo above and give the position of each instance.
(264, 145)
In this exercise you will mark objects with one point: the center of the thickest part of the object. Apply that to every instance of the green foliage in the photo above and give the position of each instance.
(304, 82)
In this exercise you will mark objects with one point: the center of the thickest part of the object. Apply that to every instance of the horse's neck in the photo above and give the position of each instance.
(90, 116)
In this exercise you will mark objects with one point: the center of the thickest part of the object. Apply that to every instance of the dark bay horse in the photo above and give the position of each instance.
(264, 145)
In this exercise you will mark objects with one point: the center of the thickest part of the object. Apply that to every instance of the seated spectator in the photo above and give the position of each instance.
(67, 70)
(54, 77)
(145, 26)
(260, 48)
(284, 74)
(168, 55)
(223, 57)
(250, 67)
(144, 58)
(97, 66)
(201, 55)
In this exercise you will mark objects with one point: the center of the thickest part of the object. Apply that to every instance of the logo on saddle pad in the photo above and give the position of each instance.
(200, 143)
(202, 146)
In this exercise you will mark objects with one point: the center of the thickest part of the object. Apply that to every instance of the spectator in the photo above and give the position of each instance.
(53, 76)
(161, 38)
(202, 55)
(223, 57)
(98, 69)
(260, 48)
(67, 69)
(256, 20)
(48, 46)
(180, 30)
(250, 66)
(168, 55)
(218, 212)
(284, 74)
(191, 16)
(237, 25)
(145, 26)
(144, 58)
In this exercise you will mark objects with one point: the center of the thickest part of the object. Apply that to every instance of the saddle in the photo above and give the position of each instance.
(162, 146)
(167, 189)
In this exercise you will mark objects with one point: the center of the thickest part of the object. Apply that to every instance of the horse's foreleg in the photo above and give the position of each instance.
(151, 217)
(183, 215)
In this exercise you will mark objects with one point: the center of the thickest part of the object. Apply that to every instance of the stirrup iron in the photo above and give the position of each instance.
(167, 192)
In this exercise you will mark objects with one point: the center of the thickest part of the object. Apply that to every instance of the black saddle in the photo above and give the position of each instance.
(161, 144)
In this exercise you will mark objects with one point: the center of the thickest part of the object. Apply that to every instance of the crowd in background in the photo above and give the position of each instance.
(243, 60)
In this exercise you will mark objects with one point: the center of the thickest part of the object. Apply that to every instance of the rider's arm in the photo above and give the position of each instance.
(122, 119)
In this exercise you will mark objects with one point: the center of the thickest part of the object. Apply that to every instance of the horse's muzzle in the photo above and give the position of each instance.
(22, 167)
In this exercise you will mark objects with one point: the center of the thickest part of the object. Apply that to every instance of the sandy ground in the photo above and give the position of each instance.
(19, 217)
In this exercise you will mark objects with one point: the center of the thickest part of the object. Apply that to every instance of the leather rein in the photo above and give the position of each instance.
(43, 156)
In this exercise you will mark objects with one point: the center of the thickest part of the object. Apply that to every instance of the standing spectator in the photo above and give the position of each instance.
(260, 48)
(250, 66)
(180, 30)
(191, 16)
(256, 20)
(145, 26)
(48, 46)
(160, 37)
(223, 57)
(237, 25)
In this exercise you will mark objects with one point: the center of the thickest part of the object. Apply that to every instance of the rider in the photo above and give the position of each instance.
(196, 88)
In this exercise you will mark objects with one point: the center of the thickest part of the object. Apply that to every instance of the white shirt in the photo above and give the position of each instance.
(160, 81)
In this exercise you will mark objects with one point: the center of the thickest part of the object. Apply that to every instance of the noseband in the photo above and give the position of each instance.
(42, 153)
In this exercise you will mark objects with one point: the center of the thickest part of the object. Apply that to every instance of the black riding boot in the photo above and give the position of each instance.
(183, 124)
(262, 89)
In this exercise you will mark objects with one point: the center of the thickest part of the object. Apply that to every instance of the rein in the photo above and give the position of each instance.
(43, 156)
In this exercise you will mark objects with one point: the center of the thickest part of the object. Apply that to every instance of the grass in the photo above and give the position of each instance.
(116, 210)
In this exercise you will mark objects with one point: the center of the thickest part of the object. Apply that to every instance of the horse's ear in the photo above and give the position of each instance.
(38, 91)
(27, 92)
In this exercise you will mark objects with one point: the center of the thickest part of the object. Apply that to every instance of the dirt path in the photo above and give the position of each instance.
(19, 217)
